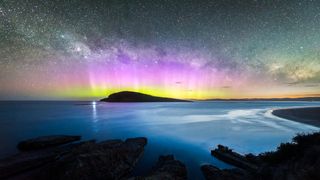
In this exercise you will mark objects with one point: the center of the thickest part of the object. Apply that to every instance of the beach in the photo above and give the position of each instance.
(306, 115)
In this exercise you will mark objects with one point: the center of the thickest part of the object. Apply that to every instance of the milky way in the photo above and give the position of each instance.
(185, 49)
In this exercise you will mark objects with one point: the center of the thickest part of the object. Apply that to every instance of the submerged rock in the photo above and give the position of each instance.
(166, 168)
(112, 159)
(46, 141)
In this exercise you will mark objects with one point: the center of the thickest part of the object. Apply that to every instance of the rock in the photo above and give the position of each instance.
(166, 168)
(112, 159)
(128, 96)
(225, 154)
(22, 162)
(213, 173)
(106, 160)
(297, 160)
(141, 141)
(46, 141)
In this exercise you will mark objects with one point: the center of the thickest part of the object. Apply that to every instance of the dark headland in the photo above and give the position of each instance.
(307, 115)
(129, 96)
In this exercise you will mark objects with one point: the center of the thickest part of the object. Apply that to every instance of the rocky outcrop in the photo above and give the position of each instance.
(245, 165)
(112, 159)
(213, 173)
(225, 154)
(292, 161)
(128, 96)
(46, 141)
(26, 161)
(166, 168)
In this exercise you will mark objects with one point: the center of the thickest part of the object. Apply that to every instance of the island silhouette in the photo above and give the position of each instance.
(130, 96)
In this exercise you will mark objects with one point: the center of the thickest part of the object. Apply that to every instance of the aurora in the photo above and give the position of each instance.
(212, 49)
(159, 89)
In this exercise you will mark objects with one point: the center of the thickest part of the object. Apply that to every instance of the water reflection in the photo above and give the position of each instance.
(94, 116)
(94, 111)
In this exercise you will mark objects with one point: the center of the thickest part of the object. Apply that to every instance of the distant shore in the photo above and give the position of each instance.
(269, 99)
(307, 115)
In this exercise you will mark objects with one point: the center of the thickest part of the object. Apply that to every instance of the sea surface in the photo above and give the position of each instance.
(187, 130)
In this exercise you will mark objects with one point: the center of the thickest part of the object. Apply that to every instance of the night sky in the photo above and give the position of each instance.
(198, 49)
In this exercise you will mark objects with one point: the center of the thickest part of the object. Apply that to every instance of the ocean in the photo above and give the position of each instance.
(187, 130)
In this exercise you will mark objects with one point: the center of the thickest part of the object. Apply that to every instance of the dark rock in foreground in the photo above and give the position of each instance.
(24, 162)
(225, 154)
(292, 161)
(167, 168)
(212, 172)
(46, 141)
(113, 159)
(128, 96)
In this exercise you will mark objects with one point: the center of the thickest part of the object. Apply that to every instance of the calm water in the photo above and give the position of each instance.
(187, 130)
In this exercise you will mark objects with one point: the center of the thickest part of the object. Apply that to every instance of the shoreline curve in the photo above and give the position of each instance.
(306, 115)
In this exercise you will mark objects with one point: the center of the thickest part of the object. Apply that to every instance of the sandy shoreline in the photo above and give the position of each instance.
(307, 115)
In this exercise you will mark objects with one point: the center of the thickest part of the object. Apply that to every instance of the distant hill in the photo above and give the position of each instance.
(269, 99)
(128, 96)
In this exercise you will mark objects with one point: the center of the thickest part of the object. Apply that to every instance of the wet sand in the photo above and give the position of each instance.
(309, 115)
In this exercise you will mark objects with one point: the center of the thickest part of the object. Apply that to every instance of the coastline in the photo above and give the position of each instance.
(306, 115)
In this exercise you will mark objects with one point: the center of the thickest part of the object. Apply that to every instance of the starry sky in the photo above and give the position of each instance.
(85, 50)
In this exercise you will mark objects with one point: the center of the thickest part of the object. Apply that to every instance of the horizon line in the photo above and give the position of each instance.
(207, 99)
